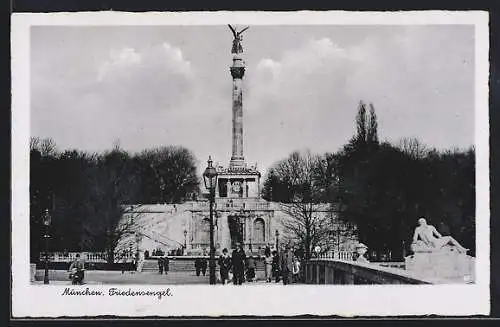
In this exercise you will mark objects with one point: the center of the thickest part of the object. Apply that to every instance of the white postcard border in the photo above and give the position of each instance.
(46, 300)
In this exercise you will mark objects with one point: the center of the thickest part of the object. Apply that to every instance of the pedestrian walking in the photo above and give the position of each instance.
(268, 263)
(166, 263)
(224, 265)
(286, 265)
(250, 269)
(296, 270)
(204, 265)
(123, 263)
(276, 266)
(238, 263)
(197, 266)
(160, 265)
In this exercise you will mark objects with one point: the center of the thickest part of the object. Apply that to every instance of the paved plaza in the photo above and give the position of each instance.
(128, 277)
(100, 277)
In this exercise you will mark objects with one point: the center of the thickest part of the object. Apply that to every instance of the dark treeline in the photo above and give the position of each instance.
(384, 188)
(86, 192)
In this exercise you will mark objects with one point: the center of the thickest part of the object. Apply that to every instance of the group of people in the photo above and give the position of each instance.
(284, 266)
(163, 265)
(200, 265)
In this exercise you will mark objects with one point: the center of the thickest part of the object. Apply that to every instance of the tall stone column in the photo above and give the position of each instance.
(228, 187)
(237, 72)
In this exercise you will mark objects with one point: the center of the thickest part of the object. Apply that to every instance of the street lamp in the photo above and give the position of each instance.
(185, 239)
(46, 222)
(277, 239)
(210, 179)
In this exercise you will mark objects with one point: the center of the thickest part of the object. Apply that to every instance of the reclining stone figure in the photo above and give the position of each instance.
(427, 239)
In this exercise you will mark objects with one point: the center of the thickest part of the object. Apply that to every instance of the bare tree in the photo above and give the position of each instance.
(34, 143)
(307, 223)
(413, 148)
(112, 187)
(47, 147)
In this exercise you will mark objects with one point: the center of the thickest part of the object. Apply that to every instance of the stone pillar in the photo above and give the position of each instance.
(245, 188)
(225, 233)
(318, 268)
(258, 187)
(237, 72)
(247, 231)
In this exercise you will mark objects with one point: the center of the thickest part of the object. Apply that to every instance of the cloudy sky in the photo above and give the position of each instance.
(152, 86)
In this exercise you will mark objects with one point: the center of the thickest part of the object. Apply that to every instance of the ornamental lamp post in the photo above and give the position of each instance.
(46, 222)
(185, 240)
(210, 179)
(137, 241)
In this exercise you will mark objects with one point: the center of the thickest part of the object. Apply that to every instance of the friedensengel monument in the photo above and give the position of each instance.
(241, 215)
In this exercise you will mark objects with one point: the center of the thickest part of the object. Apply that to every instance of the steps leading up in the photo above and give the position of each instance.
(151, 265)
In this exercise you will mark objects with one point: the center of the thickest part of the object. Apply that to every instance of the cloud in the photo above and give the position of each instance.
(302, 94)
(157, 78)
(308, 97)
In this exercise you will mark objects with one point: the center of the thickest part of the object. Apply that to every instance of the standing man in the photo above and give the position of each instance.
(123, 263)
(160, 265)
(204, 265)
(286, 264)
(268, 262)
(276, 266)
(296, 269)
(238, 263)
(166, 263)
(225, 266)
(197, 266)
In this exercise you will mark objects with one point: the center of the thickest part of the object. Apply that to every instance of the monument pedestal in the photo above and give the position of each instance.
(445, 263)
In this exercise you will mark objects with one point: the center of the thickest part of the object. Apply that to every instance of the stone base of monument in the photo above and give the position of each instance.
(447, 263)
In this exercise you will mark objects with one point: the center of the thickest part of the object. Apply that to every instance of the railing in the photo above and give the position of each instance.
(332, 271)
(338, 255)
(91, 257)
(231, 204)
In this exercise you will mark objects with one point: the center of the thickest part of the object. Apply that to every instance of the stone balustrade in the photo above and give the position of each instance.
(91, 257)
(343, 272)
(338, 255)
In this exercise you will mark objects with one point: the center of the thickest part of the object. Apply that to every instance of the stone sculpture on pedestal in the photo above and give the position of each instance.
(361, 249)
(439, 256)
(427, 239)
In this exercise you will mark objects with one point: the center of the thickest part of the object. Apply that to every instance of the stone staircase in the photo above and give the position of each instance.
(180, 265)
(150, 266)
